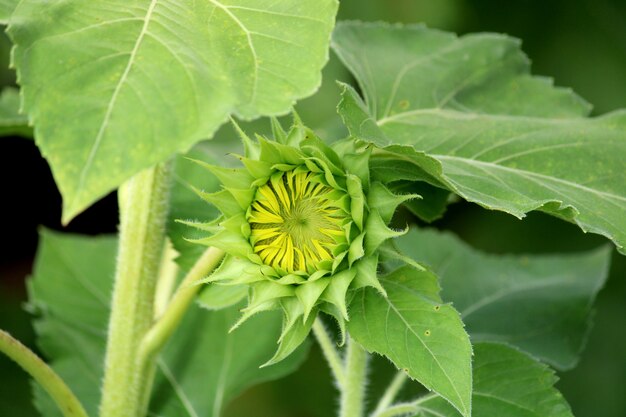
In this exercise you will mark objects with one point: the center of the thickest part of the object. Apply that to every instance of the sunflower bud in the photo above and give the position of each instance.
(301, 223)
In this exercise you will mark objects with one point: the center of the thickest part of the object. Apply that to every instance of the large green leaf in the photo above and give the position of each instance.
(70, 289)
(417, 332)
(201, 368)
(467, 115)
(12, 122)
(6, 9)
(541, 304)
(204, 366)
(506, 383)
(114, 86)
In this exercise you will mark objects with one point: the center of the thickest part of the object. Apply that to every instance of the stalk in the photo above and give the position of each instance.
(49, 380)
(330, 352)
(160, 333)
(143, 210)
(353, 392)
(166, 283)
(403, 409)
(398, 410)
(390, 393)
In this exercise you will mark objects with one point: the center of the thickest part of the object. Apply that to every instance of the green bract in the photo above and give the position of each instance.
(302, 223)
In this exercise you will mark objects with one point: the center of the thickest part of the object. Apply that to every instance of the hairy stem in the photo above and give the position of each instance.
(166, 282)
(167, 279)
(402, 409)
(43, 374)
(160, 332)
(398, 410)
(353, 392)
(143, 210)
(390, 393)
(171, 317)
(330, 352)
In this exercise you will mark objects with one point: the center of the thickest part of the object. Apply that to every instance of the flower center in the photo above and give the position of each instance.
(295, 221)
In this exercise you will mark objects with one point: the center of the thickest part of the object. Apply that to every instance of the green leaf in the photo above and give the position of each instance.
(70, 289)
(202, 367)
(468, 115)
(12, 122)
(541, 304)
(114, 87)
(506, 383)
(417, 333)
(6, 10)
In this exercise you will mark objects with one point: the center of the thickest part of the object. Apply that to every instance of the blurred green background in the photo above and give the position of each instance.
(580, 43)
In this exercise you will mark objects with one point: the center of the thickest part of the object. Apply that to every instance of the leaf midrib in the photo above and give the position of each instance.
(455, 114)
(408, 326)
(223, 374)
(511, 403)
(248, 34)
(522, 172)
(109, 110)
(180, 393)
(506, 292)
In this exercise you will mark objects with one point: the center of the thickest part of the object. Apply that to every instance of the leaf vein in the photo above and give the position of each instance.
(602, 194)
(113, 100)
(435, 358)
(180, 393)
(248, 34)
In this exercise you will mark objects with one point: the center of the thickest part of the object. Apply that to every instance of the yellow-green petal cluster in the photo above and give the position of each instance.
(301, 223)
(297, 222)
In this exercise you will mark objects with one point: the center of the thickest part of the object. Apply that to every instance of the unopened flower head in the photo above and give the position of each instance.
(302, 224)
(297, 222)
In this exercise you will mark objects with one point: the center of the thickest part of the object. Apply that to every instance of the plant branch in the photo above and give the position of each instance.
(353, 392)
(390, 393)
(166, 282)
(398, 410)
(330, 352)
(171, 317)
(167, 279)
(43, 374)
(160, 332)
(402, 409)
(143, 210)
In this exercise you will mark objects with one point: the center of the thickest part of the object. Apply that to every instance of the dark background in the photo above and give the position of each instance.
(580, 43)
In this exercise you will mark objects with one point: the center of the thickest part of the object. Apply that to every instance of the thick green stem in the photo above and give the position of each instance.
(143, 210)
(390, 393)
(353, 392)
(43, 374)
(330, 352)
